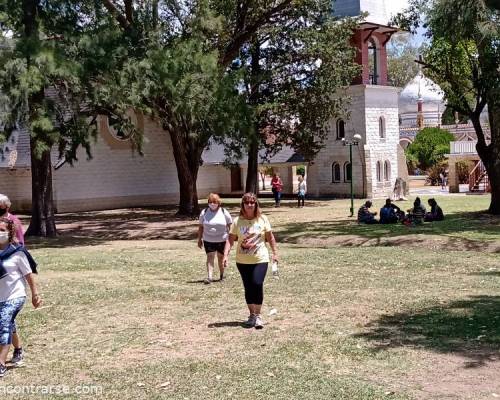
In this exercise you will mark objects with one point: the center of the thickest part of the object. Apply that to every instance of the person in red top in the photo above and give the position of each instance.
(277, 187)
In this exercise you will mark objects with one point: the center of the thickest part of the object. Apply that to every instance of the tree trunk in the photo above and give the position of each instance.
(251, 184)
(43, 221)
(263, 177)
(490, 154)
(493, 166)
(187, 161)
(253, 147)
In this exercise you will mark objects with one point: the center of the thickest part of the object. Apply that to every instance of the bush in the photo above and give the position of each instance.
(463, 169)
(434, 171)
(301, 170)
(429, 147)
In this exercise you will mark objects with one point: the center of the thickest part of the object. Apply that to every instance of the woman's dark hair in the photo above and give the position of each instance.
(11, 228)
(368, 203)
(432, 202)
(417, 202)
(250, 197)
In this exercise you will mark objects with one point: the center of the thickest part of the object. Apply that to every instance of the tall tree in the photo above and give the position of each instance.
(53, 83)
(191, 35)
(401, 56)
(463, 59)
(293, 71)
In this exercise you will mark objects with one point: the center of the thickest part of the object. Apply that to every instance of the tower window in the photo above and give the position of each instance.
(340, 127)
(379, 171)
(373, 62)
(381, 127)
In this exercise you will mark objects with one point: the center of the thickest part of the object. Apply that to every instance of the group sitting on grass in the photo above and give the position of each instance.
(391, 213)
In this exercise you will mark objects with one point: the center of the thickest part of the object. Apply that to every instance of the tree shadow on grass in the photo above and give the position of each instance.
(228, 324)
(349, 232)
(470, 328)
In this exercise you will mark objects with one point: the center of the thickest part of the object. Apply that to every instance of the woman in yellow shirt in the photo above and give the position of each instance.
(251, 230)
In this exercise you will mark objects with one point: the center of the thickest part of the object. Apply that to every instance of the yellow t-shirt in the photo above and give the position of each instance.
(251, 247)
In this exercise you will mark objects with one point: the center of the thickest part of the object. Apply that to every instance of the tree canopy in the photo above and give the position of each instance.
(430, 147)
(463, 59)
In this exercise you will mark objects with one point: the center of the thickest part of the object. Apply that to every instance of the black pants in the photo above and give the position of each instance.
(300, 199)
(253, 276)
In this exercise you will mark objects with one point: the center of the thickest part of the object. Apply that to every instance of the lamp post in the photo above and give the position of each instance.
(354, 142)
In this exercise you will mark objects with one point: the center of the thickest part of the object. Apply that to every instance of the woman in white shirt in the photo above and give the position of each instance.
(301, 191)
(15, 272)
(213, 230)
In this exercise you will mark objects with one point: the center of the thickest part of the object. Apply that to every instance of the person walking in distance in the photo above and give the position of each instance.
(277, 187)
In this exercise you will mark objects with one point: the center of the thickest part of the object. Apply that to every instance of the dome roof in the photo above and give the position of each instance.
(422, 87)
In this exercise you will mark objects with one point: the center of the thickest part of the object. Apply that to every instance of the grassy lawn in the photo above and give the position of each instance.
(363, 312)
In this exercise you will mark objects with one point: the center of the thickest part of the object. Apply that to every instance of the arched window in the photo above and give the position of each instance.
(335, 172)
(347, 172)
(387, 171)
(379, 171)
(340, 127)
(373, 62)
(381, 127)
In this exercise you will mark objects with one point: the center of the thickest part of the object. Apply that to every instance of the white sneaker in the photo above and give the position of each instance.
(259, 324)
(250, 322)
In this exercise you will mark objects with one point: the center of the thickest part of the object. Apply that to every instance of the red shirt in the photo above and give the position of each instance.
(277, 184)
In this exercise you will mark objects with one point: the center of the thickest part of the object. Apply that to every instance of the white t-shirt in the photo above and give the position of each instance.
(12, 282)
(215, 225)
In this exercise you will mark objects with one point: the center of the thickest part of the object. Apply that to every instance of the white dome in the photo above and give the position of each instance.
(422, 87)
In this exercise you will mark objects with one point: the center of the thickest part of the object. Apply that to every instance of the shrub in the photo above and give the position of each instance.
(463, 169)
(430, 147)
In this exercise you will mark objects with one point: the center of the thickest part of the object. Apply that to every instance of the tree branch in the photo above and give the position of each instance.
(115, 12)
(129, 11)
(246, 32)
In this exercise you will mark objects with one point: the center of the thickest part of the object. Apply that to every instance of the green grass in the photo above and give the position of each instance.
(358, 317)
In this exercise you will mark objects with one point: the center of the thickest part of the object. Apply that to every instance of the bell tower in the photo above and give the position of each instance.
(372, 113)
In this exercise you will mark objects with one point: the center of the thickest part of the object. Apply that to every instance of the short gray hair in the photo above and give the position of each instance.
(4, 201)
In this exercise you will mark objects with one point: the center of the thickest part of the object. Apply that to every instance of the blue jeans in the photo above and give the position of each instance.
(8, 312)
(277, 196)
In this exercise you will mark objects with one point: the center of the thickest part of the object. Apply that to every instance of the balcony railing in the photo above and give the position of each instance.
(466, 147)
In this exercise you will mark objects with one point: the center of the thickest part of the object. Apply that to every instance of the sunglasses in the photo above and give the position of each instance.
(249, 202)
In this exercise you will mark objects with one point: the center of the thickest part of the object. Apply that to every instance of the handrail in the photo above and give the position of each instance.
(478, 175)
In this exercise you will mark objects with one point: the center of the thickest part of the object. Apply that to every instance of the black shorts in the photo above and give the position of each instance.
(210, 247)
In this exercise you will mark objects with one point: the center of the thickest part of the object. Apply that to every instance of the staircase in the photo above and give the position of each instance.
(478, 179)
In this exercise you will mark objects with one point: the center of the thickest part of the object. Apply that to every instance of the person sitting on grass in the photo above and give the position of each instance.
(436, 213)
(365, 216)
(416, 214)
(390, 213)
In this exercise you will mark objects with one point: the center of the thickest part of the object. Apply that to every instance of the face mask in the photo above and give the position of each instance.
(213, 206)
(2, 211)
(4, 237)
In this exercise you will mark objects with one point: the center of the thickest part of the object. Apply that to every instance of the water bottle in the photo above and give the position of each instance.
(274, 269)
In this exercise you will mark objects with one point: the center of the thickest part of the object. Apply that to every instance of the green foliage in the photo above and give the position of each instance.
(291, 72)
(301, 170)
(59, 77)
(401, 56)
(429, 147)
(448, 117)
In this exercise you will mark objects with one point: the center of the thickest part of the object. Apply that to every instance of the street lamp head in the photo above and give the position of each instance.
(357, 137)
